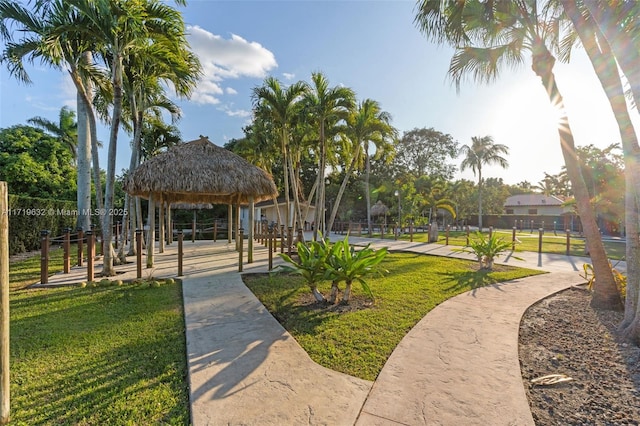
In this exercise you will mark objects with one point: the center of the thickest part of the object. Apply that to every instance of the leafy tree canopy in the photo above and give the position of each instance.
(426, 152)
(36, 164)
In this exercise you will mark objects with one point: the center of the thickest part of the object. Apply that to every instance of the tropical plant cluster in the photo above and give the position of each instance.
(338, 262)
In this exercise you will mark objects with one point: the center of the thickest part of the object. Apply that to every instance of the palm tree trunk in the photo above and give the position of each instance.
(83, 88)
(605, 66)
(625, 48)
(479, 197)
(367, 194)
(320, 193)
(107, 222)
(343, 187)
(605, 295)
(312, 193)
(285, 174)
(84, 167)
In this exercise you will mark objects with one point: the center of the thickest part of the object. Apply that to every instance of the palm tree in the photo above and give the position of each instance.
(279, 104)
(65, 130)
(482, 151)
(117, 30)
(605, 65)
(325, 104)
(47, 34)
(365, 124)
(488, 35)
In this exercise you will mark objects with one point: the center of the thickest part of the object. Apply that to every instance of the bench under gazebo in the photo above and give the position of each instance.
(199, 172)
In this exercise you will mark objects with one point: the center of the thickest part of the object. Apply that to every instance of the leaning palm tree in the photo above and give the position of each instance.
(482, 151)
(605, 65)
(366, 124)
(488, 35)
(325, 104)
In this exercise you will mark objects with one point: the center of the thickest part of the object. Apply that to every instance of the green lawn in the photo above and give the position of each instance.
(359, 342)
(96, 356)
(528, 241)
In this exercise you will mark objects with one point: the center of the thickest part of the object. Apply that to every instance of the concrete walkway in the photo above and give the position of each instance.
(458, 365)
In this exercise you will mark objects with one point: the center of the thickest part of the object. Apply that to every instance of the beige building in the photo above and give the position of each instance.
(535, 204)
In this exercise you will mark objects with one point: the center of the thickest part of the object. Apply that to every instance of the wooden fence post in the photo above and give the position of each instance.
(138, 253)
(281, 238)
(80, 249)
(180, 239)
(411, 230)
(513, 238)
(270, 247)
(67, 248)
(90, 255)
(540, 240)
(44, 257)
(4, 304)
(240, 247)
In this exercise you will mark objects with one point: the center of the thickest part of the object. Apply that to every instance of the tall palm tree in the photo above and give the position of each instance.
(605, 65)
(325, 104)
(482, 151)
(279, 104)
(47, 34)
(490, 34)
(366, 124)
(117, 30)
(65, 130)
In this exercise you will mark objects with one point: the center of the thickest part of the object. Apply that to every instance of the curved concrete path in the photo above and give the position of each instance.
(458, 365)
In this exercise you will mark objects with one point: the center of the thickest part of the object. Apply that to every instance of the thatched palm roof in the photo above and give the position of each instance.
(379, 209)
(200, 172)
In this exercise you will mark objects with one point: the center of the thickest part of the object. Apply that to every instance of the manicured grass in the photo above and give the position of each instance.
(96, 356)
(528, 241)
(359, 342)
(27, 272)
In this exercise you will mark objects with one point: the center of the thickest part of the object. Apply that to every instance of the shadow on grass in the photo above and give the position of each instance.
(98, 356)
(471, 280)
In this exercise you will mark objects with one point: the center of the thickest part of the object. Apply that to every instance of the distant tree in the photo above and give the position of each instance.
(65, 130)
(495, 193)
(482, 151)
(426, 152)
(36, 164)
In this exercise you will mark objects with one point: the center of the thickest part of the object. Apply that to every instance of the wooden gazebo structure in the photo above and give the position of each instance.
(200, 172)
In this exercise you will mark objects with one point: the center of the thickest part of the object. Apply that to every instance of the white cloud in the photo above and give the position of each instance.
(226, 58)
(231, 91)
(288, 75)
(242, 113)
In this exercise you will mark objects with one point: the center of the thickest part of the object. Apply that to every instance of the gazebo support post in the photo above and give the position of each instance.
(229, 222)
(161, 225)
(250, 229)
(169, 225)
(151, 240)
(237, 225)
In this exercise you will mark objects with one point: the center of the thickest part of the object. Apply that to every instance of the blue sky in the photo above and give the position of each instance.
(370, 46)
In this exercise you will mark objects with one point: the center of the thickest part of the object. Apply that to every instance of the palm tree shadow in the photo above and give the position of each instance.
(471, 280)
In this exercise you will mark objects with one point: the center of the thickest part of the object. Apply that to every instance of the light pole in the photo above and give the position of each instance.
(397, 194)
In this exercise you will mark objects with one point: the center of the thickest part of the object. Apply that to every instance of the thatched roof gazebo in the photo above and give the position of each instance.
(201, 172)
